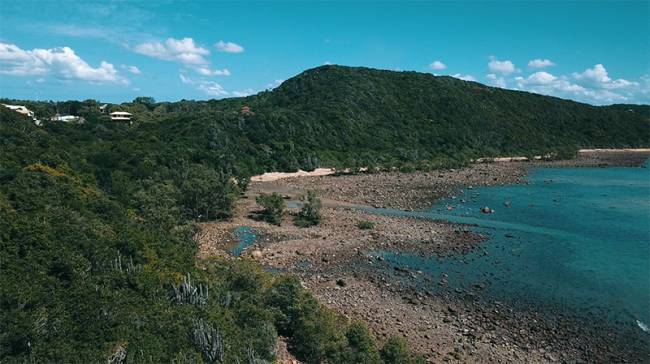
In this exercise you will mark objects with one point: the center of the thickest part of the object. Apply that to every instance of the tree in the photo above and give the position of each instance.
(149, 102)
(309, 214)
(273, 207)
(361, 346)
(207, 193)
(395, 351)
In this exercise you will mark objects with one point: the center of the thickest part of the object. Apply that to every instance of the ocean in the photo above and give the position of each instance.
(574, 239)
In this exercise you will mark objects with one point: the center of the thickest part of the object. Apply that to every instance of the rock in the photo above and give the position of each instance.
(486, 210)
(401, 269)
(341, 283)
(550, 357)
(257, 254)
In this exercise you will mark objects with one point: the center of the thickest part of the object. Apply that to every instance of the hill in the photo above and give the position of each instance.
(410, 116)
(346, 117)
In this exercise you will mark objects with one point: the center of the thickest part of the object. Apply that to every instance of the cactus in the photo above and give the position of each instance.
(250, 358)
(188, 293)
(129, 267)
(118, 355)
(208, 340)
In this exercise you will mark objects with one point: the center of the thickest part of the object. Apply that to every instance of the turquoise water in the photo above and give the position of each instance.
(246, 237)
(573, 238)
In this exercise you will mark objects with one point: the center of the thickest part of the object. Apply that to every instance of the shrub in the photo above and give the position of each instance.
(309, 214)
(395, 351)
(365, 225)
(361, 346)
(273, 207)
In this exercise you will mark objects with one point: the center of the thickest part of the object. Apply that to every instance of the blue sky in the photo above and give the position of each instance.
(595, 52)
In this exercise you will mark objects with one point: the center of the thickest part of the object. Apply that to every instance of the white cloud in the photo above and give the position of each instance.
(599, 78)
(496, 80)
(541, 78)
(229, 47)
(593, 85)
(211, 88)
(464, 77)
(327, 63)
(184, 51)
(61, 62)
(243, 93)
(548, 84)
(205, 71)
(133, 69)
(437, 65)
(540, 63)
(562, 86)
(274, 84)
(503, 67)
(184, 79)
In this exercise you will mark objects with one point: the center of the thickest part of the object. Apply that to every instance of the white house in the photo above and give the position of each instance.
(25, 111)
(121, 116)
(21, 109)
(68, 119)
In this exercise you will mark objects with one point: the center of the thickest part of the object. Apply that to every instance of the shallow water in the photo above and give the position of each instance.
(246, 237)
(573, 238)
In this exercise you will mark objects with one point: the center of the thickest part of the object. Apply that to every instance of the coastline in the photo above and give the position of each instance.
(605, 154)
(332, 261)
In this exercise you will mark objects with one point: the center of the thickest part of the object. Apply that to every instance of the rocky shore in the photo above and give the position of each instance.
(335, 262)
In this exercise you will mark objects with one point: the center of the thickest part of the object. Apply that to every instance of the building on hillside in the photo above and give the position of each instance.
(68, 119)
(23, 110)
(20, 109)
(103, 108)
(245, 110)
(121, 116)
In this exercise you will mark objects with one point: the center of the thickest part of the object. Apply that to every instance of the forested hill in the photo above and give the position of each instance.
(418, 115)
(345, 117)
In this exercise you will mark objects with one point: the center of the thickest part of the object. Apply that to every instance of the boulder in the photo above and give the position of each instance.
(486, 210)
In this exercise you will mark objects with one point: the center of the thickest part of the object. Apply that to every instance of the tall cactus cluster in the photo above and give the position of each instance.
(188, 293)
(208, 340)
(125, 267)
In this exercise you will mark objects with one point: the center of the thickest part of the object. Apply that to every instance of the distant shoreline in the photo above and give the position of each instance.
(319, 172)
(632, 150)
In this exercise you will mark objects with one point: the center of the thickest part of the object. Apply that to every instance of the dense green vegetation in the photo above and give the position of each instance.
(96, 220)
(272, 207)
(98, 263)
(309, 214)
